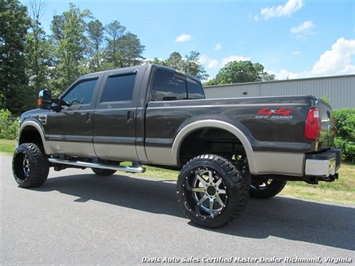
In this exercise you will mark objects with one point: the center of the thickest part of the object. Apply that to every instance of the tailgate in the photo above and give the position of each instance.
(327, 125)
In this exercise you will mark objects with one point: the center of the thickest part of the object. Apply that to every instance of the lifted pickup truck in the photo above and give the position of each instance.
(225, 149)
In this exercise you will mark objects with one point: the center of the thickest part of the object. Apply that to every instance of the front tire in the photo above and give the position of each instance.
(266, 188)
(30, 166)
(211, 191)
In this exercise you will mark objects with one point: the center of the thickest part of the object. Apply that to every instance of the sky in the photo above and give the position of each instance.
(291, 39)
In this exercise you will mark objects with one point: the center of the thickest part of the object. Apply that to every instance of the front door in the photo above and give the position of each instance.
(70, 131)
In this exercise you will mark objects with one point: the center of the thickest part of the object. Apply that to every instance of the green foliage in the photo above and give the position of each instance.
(123, 48)
(38, 54)
(70, 47)
(13, 79)
(8, 125)
(190, 64)
(96, 33)
(345, 139)
(240, 72)
(326, 99)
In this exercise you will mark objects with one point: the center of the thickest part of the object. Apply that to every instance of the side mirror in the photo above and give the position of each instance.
(44, 99)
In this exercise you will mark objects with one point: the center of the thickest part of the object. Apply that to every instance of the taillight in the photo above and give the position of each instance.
(312, 129)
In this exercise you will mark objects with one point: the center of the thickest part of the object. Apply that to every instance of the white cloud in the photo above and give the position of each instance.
(336, 61)
(218, 46)
(183, 38)
(280, 11)
(208, 62)
(304, 27)
(233, 58)
(215, 64)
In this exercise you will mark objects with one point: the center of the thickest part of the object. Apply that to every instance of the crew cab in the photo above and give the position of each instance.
(225, 149)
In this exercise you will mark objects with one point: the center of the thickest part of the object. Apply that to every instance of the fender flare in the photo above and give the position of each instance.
(213, 124)
(39, 128)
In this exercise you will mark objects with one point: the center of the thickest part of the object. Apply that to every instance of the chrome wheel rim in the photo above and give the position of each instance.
(26, 166)
(209, 192)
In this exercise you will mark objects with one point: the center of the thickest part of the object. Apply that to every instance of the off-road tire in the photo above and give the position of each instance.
(266, 188)
(30, 166)
(103, 172)
(211, 191)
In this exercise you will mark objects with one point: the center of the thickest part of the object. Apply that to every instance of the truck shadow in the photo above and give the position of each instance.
(287, 218)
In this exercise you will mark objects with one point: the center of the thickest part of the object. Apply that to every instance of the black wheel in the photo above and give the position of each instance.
(103, 172)
(30, 166)
(211, 191)
(262, 188)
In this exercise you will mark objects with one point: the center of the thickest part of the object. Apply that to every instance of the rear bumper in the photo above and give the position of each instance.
(323, 165)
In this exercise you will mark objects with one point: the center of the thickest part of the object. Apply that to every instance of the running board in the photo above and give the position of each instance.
(129, 169)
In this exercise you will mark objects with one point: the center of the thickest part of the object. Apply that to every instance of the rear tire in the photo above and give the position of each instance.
(211, 191)
(30, 166)
(266, 188)
(103, 172)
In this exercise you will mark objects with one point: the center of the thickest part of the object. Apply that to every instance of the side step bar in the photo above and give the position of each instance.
(129, 169)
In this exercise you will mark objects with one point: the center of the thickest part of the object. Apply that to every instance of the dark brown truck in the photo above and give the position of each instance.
(225, 149)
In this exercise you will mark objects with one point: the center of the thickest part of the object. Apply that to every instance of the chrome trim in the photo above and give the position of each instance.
(320, 167)
(98, 165)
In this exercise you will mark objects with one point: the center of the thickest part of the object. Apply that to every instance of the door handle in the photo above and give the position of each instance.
(130, 117)
(88, 117)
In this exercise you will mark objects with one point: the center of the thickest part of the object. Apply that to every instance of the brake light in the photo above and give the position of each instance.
(312, 128)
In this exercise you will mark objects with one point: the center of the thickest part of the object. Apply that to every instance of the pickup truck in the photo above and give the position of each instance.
(225, 149)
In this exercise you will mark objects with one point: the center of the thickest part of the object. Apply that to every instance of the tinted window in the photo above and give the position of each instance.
(118, 88)
(168, 86)
(195, 89)
(81, 93)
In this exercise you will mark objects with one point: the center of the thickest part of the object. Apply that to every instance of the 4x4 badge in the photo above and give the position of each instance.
(280, 111)
(277, 113)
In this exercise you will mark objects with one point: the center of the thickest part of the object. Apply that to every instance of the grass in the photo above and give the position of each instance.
(7, 146)
(341, 191)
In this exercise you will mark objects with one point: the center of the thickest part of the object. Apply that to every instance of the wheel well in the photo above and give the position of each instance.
(31, 135)
(211, 141)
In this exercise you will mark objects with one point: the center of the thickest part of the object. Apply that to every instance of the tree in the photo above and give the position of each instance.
(38, 52)
(96, 33)
(123, 49)
(240, 72)
(193, 67)
(13, 80)
(175, 61)
(130, 50)
(189, 65)
(70, 47)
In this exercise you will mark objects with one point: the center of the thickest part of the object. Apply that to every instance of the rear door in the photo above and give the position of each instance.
(115, 117)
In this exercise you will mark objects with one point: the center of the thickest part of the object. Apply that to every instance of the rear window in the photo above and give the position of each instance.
(195, 89)
(169, 86)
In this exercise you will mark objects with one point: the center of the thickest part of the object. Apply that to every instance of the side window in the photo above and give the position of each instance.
(81, 93)
(195, 89)
(118, 88)
(168, 86)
